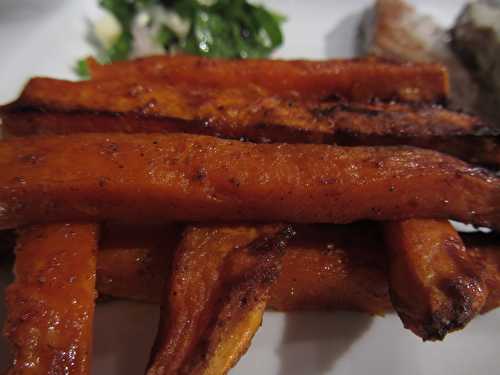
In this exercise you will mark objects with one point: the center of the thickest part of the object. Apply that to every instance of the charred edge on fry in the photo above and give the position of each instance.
(246, 289)
(455, 316)
(274, 241)
(209, 126)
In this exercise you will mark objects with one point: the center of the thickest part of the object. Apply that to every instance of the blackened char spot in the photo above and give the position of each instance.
(200, 174)
(457, 314)
(273, 241)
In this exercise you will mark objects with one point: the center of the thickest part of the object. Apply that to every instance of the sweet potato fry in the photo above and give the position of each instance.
(229, 114)
(51, 303)
(484, 250)
(333, 267)
(324, 267)
(306, 282)
(215, 297)
(360, 80)
(252, 114)
(435, 286)
(132, 261)
(153, 178)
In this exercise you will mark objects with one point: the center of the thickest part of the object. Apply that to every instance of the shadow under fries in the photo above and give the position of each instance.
(314, 341)
(123, 336)
(340, 42)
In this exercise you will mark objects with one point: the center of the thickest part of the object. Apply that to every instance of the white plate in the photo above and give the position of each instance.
(45, 38)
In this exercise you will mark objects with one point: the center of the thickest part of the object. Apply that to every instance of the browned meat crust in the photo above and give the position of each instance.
(394, 29)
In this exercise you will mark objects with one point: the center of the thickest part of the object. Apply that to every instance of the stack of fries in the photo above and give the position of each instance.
(221, 188)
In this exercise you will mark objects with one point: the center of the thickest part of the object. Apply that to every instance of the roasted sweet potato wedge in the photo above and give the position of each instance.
(329, 267)
(249, 113)
(355, 252)
(136, 272)
(50, 305)
(484, 250)
(133, 261)
(324, 267)
(434, 284)
(360, 80)
(154, 178)
(215, 297)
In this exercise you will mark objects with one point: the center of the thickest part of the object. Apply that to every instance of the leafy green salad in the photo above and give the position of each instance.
(216, 28)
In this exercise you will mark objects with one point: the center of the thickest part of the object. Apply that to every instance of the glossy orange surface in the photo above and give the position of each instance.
(242, 113)
(485, 253)
(360, 80)
(151, 178)
(133, 262)
(215, 296)
(324, 267)
(355, 252)
(50, 305)
(435, 286)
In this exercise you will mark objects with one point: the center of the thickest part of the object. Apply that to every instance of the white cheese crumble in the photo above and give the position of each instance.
(107, 30)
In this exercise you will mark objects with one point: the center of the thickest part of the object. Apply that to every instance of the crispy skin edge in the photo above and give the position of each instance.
(484, 248)
(239, 307)
(455, 294)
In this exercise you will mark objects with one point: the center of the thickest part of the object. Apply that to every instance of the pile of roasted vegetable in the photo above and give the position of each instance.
(220, 188)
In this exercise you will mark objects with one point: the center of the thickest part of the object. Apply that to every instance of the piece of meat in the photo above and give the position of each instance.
(250, 114)
(435, 287)
(358, 80)
(393, 29)
(178, 177)
(50, 305)
(476, 39)
(215, 296)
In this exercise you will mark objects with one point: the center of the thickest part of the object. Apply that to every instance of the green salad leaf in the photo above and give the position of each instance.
(215, 28)
(81, 69)
(120, 49)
